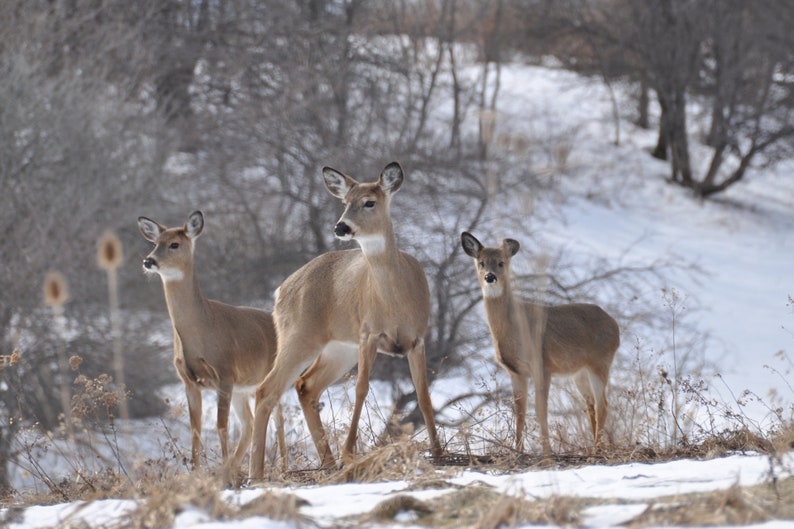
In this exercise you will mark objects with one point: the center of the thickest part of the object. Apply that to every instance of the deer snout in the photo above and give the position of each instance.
(342, 230)
(490, 277)
(149, 263)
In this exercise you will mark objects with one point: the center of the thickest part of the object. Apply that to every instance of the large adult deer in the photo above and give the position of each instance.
(216, 346)
(538, 341)
(344, 307)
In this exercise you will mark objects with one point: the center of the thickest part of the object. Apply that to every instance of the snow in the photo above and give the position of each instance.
(617, 204)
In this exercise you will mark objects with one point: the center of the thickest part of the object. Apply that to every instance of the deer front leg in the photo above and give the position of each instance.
(520, 389)
(368, 348)
(193, 394)
(418, 366)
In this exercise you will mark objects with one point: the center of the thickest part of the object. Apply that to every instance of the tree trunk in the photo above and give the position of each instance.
(679, 143)
(660, 151)
(643, 104)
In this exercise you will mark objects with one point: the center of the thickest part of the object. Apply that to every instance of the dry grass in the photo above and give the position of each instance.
(476, 507)
(163, 501)
(734, 506)
(399, 460)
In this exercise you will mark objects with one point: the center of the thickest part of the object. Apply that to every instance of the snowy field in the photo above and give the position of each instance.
(617, 208)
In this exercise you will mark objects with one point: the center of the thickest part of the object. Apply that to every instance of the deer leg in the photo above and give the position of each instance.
(322, 373)
(242, 410)
(585, 388)
(268, 394)
(281, 436)
(542, 384)
(599, 387)
(520, 390)
(368, 348)
(193, 394)
(224, 401)
(418, 365)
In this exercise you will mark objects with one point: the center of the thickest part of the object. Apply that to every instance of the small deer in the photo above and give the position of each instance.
(538, 341)
(344, 307)
(216, 346)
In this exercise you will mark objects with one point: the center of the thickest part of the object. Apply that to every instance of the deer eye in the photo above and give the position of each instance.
(482, 264)
(174, 245)
(501, 264)
(369, 204)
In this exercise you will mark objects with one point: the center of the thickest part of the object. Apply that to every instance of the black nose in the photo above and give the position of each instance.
(149, 262)
(490, 277)
(341, 229)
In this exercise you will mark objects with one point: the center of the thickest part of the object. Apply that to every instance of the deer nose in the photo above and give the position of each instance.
(490, 277)
(341, 229)
(149, 262)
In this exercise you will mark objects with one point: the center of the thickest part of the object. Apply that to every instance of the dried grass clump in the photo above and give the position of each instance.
(477, 507)
(728, 507)
(165, 500)
(398, 460)
(9, 360)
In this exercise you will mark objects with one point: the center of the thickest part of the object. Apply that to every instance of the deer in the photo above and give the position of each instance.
(217, 346)
(342, 308)
(539, 341)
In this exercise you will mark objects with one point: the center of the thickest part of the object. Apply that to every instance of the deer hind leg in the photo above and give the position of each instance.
(417, 363)
(368, 349)
(586, 389)
(242, 410)
(520, 390)
(542, 385)
(281, 436)
(193, 394)
(335, 360)
(268, 394)
(599, 386)
(224, 401)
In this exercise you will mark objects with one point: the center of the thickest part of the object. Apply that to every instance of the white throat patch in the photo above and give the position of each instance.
(491, 290)
(372, 244)
(171, 274)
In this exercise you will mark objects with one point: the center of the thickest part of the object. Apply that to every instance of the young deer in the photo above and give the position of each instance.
(216, 346)
(342, 308)
(539, 341)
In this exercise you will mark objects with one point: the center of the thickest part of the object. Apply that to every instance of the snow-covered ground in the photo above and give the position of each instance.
(627, 490)
(618, 207)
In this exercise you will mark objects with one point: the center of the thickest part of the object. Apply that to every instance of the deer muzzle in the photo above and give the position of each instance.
(342, 230)
(490, 277)
(149, 263)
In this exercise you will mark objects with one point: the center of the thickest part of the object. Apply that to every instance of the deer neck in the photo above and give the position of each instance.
(186, 304)
(504, 315)
(383, 262)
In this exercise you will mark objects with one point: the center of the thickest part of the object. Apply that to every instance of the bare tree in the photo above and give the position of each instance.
(732, 55)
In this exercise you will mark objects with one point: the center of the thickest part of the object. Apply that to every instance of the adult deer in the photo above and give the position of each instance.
(344, 307)
(538, 341)
(216, 346)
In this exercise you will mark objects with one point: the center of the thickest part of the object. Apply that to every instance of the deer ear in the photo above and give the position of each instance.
(338, 184)
(470, 244)
(511, 245)
(194, 224)
(150, 229)
(391, 178)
